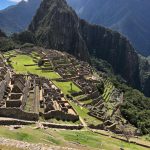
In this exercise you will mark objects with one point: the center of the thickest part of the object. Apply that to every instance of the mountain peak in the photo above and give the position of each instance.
(56, 26)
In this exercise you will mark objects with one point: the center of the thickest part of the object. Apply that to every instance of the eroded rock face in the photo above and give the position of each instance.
(114, 48)
(57, 26)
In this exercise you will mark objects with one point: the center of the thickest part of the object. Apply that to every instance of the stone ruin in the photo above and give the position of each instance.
(67, 65)
(28, 96)
(54, 103)
(34, 96)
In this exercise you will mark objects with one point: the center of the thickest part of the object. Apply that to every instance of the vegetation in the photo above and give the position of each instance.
(67, 87)
(83, 113)
(6, 44)
(81, 138)
(102, 65)
(25, 64)
(135, 107)
(97, 141)
(24, 37)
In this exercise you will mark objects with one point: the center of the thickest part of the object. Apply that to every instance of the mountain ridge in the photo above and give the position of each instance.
(127, 17)
(17, 17)
(60, 28)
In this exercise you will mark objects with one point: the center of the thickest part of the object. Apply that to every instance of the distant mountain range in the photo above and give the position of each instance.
(17, 18)
(130, 17)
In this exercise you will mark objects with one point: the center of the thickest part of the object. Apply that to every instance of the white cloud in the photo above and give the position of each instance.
(17, 0)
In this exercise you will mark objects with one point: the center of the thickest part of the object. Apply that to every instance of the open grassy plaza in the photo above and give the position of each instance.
(24, 64)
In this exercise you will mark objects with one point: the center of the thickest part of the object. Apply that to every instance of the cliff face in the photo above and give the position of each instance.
(129, 17)
(57, 26)
(114, 48)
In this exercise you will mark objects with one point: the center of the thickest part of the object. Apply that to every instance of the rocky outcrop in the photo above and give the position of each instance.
(57, 26)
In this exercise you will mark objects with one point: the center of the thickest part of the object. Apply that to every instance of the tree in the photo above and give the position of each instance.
(71, 86)
(41, 62)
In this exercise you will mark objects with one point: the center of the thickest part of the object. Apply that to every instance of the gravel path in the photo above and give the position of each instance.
(30, 146)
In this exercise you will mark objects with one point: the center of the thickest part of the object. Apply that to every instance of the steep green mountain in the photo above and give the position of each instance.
(17, 18)
(5, 42)
(129, 17)
(57, 26)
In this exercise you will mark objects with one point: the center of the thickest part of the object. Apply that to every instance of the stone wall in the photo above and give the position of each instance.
(60, 126)
(15, 122)
(13, 103)
(61, 115)
(18, 114)
(2, 89)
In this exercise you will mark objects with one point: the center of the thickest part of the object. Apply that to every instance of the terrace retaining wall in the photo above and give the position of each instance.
(61, 115)
(61, 126)
(18, 114)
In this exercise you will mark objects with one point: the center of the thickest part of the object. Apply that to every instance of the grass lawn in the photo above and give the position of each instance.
(67, 138)
(28, 134)
(20, 61)
(94, 140)
(66, 88)
(87, 101)
(83, 112)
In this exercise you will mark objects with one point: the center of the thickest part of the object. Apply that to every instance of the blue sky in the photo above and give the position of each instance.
(6, 3)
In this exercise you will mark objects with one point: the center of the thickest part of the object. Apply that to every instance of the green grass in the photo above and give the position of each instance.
(65, 138)
(83, 112)
(94, 140)
(20, 61)
(146, 137)
(87, 101)
(66, 88)
(28, 134)
(30, 103)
